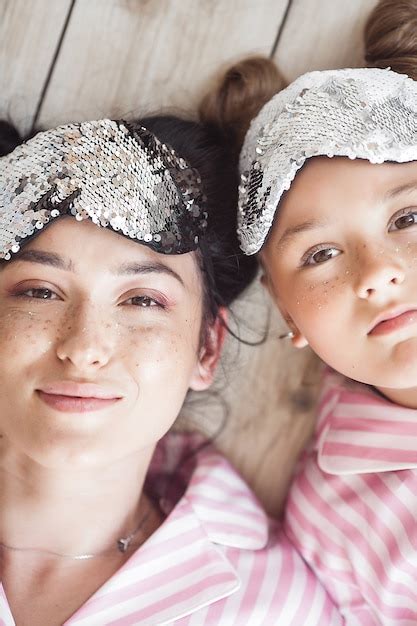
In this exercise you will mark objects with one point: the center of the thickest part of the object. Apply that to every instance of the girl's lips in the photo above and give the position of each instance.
(394, 323)
(75, 404)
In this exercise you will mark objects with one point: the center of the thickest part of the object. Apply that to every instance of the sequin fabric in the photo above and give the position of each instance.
(121, 177)
(358, 113)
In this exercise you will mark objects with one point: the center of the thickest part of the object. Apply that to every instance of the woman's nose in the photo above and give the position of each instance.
(85, 341)
(378, 274)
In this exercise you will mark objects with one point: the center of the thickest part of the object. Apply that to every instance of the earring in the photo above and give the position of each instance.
(288, 335)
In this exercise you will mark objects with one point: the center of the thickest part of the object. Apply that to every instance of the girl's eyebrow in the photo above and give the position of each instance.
(292, 231)
(407, 188)
(131, 268)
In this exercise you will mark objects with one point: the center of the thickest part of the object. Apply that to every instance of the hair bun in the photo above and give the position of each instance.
(9, 137)
(237, 97)
(391, 36)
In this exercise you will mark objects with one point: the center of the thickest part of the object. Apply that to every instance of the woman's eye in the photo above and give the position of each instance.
(404, 221)
(319, 256)
(143, 301)
(39, 294)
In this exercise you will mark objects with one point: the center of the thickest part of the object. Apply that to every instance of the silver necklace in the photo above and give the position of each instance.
(122, 545)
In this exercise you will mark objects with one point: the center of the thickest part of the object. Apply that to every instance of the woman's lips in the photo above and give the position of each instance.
(71, 397)
(75, 404)
(394, 323)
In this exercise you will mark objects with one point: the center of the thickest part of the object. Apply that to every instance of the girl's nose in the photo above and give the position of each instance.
(378, 274)
(85, 342)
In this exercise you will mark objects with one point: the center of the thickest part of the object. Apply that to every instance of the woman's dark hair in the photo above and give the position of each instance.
(225, 269)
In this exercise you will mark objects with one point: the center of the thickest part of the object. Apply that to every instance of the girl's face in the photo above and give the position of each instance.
(341, 263)
(86, 312)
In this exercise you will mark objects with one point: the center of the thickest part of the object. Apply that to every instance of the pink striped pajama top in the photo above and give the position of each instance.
(215, 560)
(352, 508)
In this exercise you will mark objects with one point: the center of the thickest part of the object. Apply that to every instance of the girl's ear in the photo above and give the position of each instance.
(210, 353)
(298, 340)
(265, 282)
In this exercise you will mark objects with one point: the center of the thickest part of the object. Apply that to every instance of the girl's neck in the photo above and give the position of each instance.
(403, 397)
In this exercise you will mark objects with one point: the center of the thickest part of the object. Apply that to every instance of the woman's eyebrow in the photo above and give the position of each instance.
(146, 268)
(131, 268)
(46, 258)
(292, 231)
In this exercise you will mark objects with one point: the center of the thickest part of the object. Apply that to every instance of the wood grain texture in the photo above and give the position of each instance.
(263, 403)
(126, 57)
(322, 34)
(29, 34)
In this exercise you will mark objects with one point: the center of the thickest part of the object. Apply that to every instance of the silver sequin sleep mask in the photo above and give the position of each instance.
(118, 176)
(358, 113)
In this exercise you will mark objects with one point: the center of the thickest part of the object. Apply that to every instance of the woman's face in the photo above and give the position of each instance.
(341, 263)
(86, 312)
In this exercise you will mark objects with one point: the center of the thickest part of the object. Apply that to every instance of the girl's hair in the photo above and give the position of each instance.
(226, 271)
(238, 96)
(242, 90)
(391, 36)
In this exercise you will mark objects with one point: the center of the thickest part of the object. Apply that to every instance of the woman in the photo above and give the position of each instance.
(100, 341)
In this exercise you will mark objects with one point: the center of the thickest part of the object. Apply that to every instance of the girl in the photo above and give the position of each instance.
(328, 199)
(116, 272)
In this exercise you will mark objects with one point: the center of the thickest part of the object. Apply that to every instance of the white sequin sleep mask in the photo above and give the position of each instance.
(358, 113)
(118, 176)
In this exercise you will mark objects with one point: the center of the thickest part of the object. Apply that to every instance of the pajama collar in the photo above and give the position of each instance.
(361, 432)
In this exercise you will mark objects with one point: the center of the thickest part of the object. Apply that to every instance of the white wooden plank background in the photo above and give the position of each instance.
(142, 55)
(67, 60)
(29, 33)
(322, 34)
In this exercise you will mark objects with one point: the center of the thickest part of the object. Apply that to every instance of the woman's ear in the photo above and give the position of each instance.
(210, 353)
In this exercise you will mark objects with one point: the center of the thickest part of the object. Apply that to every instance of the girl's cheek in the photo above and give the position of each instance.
(319, 295)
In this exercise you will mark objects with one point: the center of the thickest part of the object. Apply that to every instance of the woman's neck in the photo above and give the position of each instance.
(70, 511)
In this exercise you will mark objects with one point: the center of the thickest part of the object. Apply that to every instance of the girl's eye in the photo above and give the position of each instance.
(143, 301)
(403, 221)
(317, 256)
(39, 293)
